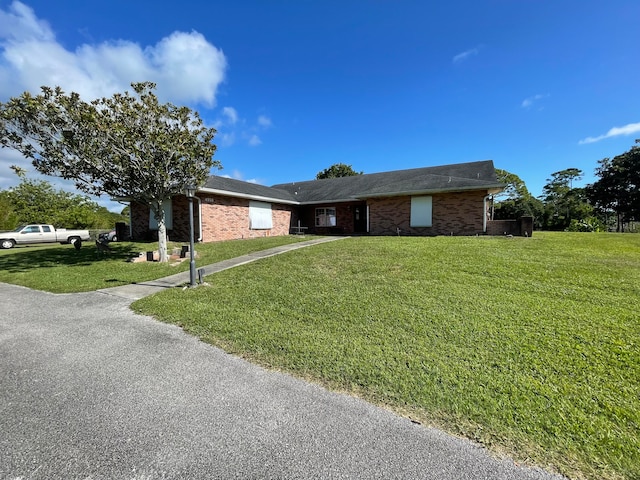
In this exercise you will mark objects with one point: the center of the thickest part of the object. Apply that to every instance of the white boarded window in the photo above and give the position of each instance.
(260, 217)
(420, 211)
(168, 216)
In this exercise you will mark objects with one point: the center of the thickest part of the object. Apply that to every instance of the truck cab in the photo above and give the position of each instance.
(37, 234)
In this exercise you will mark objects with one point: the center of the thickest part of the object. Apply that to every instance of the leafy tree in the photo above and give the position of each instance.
(563, 202)
(515, 200)
(618, 189)
(8, 218)
(515, 186)
(337, 170)
(127, 146)
(36, 201)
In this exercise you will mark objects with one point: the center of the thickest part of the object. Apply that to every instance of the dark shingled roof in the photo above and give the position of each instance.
(415, 181)
(237, 188)
(446, 178)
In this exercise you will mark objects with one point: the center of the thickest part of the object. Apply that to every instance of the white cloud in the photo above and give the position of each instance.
(226, 138)
(238, 175)
(264, 121)
(185, 66)
(466, 54)
(528, 102)
(20, 23)
(232, 127)
(231, 114)
(628, 129)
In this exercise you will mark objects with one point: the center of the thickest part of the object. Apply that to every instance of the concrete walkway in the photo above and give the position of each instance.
(136, 291)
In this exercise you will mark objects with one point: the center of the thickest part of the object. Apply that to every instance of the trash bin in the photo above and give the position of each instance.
(122, 232)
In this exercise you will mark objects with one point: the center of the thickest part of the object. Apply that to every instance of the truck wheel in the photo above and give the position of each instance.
(7, 243)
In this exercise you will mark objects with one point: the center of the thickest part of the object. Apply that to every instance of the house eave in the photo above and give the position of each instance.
(226, 193)
(489, 188)
(327, 201)
(356, 198)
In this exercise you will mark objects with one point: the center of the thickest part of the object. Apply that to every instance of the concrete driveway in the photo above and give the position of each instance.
(90, 390)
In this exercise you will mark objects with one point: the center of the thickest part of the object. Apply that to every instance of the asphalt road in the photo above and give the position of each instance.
(90, 390)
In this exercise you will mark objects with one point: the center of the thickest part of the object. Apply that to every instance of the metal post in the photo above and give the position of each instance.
(190, 192)
(192, 259)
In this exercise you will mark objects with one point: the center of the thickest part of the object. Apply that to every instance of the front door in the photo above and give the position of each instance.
(360, 219)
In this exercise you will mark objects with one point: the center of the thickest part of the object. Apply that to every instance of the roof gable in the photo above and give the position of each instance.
(239, 188)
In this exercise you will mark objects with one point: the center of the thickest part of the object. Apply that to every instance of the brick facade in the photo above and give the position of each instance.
(345, 218)
(452, 214)
(224, 218)
(520, 227)
(227, 218)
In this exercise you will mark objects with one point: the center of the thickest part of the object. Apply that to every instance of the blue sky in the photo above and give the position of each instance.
(294, 86)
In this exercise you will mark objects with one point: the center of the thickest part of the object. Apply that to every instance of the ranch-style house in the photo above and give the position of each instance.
(443, 200)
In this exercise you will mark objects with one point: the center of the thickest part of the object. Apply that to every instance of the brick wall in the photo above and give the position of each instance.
(520, 227)
(227, 218)
(503, 227)
(180, 228)
(344, 218)
(452, 213)
(139, 221)
(224, 218)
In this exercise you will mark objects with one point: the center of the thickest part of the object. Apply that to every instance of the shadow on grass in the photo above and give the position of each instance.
(32, 259)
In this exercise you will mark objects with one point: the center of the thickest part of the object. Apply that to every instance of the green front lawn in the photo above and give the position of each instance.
(63, 269)
(528, 345)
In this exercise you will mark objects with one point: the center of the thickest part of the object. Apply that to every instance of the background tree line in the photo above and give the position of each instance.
(37, 201)
(610, 203)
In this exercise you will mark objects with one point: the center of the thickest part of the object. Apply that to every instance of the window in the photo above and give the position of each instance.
(46, 228)
(168, 216)
(260, 217)
(420, 211)
(32, 229)
(325, 217)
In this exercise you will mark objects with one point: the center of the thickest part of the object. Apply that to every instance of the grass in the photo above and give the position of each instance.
(62, 269)
(530, 346)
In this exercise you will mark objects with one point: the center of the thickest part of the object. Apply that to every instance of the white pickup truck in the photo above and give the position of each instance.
(36, 233)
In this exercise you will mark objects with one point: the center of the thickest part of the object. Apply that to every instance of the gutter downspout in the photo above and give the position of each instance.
(484, 213)
(368, 226)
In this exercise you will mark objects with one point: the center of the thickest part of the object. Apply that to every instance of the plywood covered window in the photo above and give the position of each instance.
(168, 216)
(421, 211)
(260, 217)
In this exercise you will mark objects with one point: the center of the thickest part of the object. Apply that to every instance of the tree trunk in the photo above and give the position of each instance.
(158, 214)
